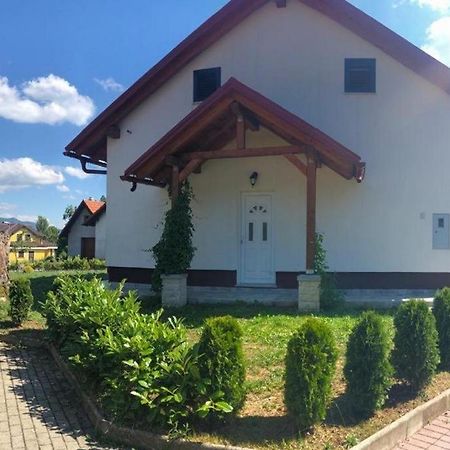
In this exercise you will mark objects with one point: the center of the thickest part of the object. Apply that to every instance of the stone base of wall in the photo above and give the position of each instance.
(233, 295)
(308, 293)
(174, 290)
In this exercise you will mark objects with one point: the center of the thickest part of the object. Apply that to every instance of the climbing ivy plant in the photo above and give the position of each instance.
(174, 252)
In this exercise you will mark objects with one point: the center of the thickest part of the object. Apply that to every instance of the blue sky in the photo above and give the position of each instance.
(64, 61)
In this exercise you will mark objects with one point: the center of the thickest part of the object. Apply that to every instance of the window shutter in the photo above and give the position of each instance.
(360, 75)
(206, 82)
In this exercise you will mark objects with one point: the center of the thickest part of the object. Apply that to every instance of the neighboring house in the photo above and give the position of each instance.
(98, 221)
(83, 239)
(26, 244)
(273, 110)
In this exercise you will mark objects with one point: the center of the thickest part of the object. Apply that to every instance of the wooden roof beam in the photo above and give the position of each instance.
(242, 153)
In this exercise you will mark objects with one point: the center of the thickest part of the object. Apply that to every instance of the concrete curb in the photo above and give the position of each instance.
(406, 426)
(127, 436)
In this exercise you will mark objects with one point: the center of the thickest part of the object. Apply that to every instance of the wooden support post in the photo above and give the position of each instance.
(311, 180)
(175, 187)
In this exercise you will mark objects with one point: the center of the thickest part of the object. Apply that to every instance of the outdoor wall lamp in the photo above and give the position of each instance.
(253, 178)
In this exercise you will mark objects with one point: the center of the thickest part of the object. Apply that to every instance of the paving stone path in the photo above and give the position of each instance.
(38, 409)
(435, 436)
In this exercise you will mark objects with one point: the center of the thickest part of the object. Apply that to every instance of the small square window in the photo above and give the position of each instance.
(20, 254)
(206, 82)
(360, 75)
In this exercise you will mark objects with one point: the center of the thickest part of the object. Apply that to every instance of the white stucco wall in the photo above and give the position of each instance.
(100, 237)
(77, 232)
(295, 56)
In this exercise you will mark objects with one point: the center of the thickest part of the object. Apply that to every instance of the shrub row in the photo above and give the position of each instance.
(53, 264)
(371, 363)
(142, 369)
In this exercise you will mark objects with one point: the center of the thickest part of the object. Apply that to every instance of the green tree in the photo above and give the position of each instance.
(52, 234)
(103, 198)
(42, 225)
(69, 212)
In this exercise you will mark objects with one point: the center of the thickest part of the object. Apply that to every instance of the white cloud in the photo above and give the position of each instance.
(75, 172)
(50, 100)
(109, 84)
(440, 6)
(25, 172)
(437, 43)
(62, 188)
(7, 208)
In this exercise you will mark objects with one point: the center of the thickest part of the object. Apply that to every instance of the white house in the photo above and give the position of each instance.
(85, 231)
(288, 117)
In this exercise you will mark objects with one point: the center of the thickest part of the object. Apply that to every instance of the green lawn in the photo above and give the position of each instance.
(263, 423)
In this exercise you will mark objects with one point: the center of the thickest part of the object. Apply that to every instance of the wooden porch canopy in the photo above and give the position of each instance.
(225, 117)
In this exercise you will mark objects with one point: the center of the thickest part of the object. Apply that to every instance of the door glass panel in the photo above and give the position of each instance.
(264, 231)
(250, 231)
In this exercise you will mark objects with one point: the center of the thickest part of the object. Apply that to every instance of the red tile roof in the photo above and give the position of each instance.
(92, 207)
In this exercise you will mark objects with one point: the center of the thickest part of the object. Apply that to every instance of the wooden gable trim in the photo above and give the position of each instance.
(296, 131)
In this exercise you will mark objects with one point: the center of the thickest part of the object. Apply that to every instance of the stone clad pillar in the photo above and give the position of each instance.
(174, 290)
(308, 293)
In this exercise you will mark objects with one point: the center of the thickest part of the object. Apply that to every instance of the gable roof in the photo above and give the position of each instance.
(92, 206)
(91, 142)
(12, 228)
(214, 122)
(92, 221)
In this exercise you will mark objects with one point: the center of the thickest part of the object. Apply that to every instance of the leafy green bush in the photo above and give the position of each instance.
(14, 266)
(28, 269)
(142, 369)
(441, 310)
(76, 263)
(222, 360)
(310, 366)
(415, 355)
(97, 264)
(174, 252)
(20, 300)
(368, 370)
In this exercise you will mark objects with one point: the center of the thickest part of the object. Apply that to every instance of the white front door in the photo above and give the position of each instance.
(256, 240)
